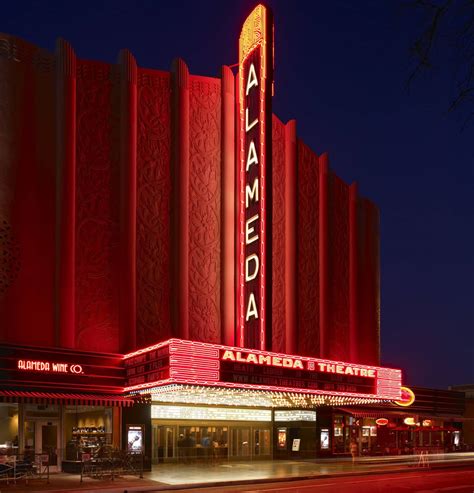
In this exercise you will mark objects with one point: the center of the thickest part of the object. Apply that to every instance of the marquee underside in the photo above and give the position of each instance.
(200, 394)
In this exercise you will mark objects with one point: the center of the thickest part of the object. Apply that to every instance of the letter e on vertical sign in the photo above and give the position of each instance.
(254, 178)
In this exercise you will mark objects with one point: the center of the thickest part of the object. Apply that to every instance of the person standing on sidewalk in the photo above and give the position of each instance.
(354, 448)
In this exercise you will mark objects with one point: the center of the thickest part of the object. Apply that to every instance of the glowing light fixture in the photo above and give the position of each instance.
(408, 397)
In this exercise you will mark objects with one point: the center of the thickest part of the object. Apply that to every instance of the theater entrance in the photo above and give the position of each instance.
(194, 436)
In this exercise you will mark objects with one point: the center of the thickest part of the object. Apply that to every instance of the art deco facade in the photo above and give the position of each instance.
(117, 215)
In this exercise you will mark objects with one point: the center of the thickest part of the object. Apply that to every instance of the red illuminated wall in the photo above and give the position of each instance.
(153, 206)
(97, 219)
(278, 237)
(117, 215)
(308, 252)
(27, 193)
(204, 209)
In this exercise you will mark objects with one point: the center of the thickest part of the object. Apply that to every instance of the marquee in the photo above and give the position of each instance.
(197, 364)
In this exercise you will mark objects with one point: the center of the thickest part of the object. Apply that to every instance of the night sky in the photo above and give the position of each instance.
(341, 71)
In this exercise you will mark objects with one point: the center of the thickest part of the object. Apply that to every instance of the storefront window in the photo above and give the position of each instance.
(30, 436)
(341, 434)
(9, 429)
(87, 430)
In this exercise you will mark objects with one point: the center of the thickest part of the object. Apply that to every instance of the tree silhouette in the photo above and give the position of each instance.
(446, 43)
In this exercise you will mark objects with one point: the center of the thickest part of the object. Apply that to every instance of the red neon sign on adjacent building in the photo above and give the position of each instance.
(255, 91)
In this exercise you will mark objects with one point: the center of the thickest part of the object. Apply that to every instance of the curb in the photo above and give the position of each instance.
(288, 479)
(247, 482)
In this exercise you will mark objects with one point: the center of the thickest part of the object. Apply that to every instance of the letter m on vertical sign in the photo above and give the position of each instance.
(254, 180)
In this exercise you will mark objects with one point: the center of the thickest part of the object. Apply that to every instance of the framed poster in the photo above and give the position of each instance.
(135, 438)
(281, 439)
(324, 439)
(296, 444)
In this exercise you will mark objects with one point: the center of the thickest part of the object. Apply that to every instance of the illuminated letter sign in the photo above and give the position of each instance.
(48, 366)
(255, 91)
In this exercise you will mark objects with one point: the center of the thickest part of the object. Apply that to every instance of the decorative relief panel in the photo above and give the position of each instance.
(9, 144)
(9, 258)
(278, 236)
(17, 50)
(97, 224)
(9, 247)
(308, 251)
(338, 253)
(204, 209)
(153, 208)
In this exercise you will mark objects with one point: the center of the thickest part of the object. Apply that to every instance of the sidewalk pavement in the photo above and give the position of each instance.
(172, 476)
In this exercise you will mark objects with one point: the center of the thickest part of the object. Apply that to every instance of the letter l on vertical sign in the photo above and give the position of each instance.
(254, 180)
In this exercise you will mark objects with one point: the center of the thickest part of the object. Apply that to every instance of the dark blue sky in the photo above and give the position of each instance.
(341, 69)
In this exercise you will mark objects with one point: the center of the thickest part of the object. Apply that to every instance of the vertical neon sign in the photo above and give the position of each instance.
(254, 178)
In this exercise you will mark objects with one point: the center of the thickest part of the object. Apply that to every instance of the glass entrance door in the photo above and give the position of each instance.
(262, 442)
(241, 442)
(164, 440)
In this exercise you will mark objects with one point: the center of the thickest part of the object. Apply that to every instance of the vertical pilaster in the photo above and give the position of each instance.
(323, 256)
(353, 275)
(239, 335)
(228, 210)
(180, 200)
(290, 238)
(65, 194)
(21, 427)
(128, 199)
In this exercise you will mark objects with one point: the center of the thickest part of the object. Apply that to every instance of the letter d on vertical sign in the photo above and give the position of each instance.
(254, 180)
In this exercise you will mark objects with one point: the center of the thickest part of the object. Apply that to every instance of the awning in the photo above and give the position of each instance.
(30, 397)
(391, 411)
(373, 413)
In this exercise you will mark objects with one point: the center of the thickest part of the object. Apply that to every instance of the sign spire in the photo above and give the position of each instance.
(254, 180)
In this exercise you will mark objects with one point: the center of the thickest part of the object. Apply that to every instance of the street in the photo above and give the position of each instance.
(458, 481)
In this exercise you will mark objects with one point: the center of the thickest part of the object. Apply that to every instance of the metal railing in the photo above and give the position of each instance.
(115, 464)
(24, 467)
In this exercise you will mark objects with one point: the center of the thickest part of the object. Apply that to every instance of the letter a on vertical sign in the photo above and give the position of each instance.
(254, 180)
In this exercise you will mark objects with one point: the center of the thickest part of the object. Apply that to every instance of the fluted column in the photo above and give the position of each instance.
(180, 201)
(128, 199)
(291, 284)
(228, 206)
(65, 325)
(353, 294)
(323, 256)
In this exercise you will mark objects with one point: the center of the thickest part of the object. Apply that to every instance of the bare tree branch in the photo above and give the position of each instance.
(448, 24)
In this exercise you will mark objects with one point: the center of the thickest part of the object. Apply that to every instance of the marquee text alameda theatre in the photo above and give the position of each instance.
(180, 273)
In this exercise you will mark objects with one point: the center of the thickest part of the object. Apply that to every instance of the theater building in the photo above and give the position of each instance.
(179, 272)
